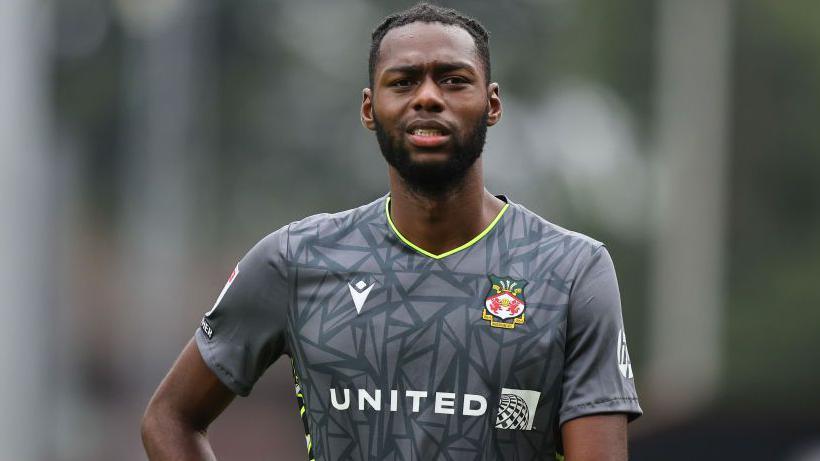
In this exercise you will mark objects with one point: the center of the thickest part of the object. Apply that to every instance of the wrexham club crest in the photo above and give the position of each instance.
(504, 306)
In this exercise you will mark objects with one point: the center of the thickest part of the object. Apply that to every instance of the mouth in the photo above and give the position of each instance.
(427, 134)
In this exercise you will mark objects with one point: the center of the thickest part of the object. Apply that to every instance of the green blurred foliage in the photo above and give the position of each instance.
(774, 239)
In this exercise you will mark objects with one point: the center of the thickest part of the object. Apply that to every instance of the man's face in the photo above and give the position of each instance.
(430, 104)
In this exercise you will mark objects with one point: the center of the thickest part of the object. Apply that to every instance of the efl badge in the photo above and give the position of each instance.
(224, 290)
(504, 306)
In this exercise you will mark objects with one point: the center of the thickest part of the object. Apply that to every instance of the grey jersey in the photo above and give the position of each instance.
(398, 354)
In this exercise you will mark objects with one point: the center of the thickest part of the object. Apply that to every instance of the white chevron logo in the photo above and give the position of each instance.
(359, 294)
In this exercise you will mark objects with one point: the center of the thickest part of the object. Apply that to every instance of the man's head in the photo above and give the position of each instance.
(430, 100)
(427, 13)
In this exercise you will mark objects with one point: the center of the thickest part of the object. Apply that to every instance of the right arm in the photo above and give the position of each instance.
(185, 403)
(237, 340)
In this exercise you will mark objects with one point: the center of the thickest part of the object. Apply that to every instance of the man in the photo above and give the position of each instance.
(438, 322)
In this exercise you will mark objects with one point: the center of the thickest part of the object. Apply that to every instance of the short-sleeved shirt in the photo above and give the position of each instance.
(482, 352)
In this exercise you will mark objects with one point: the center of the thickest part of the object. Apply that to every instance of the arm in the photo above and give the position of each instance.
(185, 403)
(598, 392)
(595, 438)
(242, 334)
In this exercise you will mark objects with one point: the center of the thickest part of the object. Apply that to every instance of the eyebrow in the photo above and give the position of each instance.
(437, 67)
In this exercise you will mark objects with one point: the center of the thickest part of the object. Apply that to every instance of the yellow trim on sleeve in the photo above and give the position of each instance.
(446, 253)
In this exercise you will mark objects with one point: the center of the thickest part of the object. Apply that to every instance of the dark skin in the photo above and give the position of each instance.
(601, 437)
(184, 405)
(424, 72)
(432, 72)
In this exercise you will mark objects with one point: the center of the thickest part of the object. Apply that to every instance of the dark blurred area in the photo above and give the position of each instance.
(146, 145)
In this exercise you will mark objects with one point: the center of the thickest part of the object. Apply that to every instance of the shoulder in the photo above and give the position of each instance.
(572, 255)
(332, 228)
(549, 247)
(282, 243)
(535, 228)
(324, 224)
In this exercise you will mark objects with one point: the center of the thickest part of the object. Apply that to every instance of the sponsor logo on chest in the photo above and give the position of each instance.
(516, 407)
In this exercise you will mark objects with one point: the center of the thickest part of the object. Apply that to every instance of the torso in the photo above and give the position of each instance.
(377, 328)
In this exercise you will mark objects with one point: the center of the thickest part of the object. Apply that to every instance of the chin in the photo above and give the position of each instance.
(430, 158)
(428, 155)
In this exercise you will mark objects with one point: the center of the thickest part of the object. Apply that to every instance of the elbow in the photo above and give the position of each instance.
(149, 425)
(162, 424)
(159, 423)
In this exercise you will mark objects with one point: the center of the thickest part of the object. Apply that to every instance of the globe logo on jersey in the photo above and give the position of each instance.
(513, 412)
(516, 409)
(504, 306)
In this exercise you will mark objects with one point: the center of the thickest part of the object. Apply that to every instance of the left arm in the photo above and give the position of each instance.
(598, 392)
(595, 438)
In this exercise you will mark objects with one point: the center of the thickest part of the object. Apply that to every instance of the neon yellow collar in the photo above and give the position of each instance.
(446, 253)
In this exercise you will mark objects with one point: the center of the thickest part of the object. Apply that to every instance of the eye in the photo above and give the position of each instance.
(455, 80)
(401, 83)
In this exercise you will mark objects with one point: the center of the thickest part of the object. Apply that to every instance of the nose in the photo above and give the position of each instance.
(428, 97)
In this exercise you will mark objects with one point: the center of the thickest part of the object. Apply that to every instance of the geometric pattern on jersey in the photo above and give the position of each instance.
(405, 375)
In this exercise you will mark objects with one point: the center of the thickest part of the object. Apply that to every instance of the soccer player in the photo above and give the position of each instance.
(437, 322)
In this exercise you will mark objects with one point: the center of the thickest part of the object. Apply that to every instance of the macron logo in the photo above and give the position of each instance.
(359, 293)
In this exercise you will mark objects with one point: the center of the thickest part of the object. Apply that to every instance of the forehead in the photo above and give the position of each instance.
(421, 42)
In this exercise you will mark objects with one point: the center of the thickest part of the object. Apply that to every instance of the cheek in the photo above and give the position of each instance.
(471, 116)
(471, 106)
(385, 103)
(386, 114)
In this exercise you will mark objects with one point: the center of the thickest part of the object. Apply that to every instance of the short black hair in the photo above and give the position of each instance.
(427, 12)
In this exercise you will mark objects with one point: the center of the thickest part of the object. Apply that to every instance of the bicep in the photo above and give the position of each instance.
(596, 437)
(191, 391)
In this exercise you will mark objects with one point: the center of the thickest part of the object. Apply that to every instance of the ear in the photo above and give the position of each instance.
(493, 104)
(366, 112)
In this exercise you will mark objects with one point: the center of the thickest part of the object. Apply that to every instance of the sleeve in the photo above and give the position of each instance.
(245, 330)
(597, 371)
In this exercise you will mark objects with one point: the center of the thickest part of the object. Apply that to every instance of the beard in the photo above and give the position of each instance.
(434, 179)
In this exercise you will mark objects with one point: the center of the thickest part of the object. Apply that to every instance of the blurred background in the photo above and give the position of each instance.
(145, 145)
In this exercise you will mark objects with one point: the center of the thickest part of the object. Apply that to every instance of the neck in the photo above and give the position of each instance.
(439, 223)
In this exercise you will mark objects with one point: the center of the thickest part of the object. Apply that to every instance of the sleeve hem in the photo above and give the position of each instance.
(626, 405)
(221, 372)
